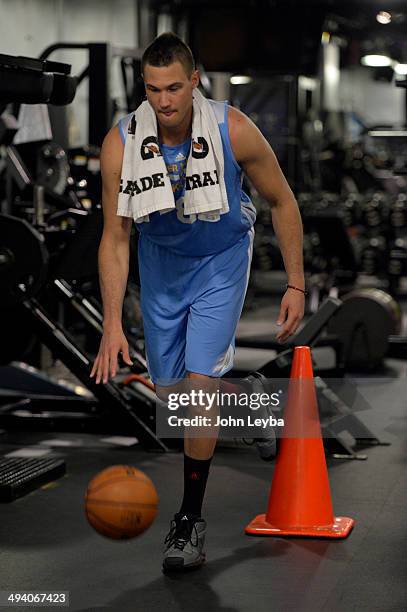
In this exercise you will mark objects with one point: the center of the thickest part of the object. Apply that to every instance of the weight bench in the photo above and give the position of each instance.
(337, 419)
(309, 335)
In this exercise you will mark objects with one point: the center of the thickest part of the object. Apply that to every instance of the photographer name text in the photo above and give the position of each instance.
(206, 421)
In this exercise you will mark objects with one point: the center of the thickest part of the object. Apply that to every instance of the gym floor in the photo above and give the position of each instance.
(47, 543)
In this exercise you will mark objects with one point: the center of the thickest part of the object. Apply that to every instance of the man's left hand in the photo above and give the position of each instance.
(291, 313)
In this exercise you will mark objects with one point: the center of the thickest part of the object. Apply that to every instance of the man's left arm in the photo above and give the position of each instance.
(259, 163)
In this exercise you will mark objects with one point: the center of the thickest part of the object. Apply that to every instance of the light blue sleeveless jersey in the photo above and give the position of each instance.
(188, 235)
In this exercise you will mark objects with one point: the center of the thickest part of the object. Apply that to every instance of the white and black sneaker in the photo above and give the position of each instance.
(183, 546)
(267, 445)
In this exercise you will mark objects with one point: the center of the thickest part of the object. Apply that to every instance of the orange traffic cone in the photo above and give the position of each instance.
(300, 499)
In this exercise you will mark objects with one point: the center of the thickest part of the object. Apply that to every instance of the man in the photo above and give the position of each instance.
(194, 269)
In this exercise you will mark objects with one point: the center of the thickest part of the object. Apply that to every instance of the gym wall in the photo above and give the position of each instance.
(375, 102)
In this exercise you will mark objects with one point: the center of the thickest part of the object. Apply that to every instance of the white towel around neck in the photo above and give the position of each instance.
(145, 186)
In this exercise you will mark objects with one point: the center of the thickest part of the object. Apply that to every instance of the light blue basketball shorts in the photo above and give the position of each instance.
(191, 307)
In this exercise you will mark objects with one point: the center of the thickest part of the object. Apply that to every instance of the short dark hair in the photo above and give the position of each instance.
(167, 49)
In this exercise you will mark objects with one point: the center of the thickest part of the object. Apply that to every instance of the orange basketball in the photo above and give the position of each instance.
(121, 502)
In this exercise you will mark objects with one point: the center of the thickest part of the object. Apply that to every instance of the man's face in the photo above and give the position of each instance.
(169, 91)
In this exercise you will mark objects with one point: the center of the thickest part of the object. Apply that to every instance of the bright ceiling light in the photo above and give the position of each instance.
(400, 69)
(383, 17)
(377, 61)
(325, 38)
(240, 79)
(307, 83)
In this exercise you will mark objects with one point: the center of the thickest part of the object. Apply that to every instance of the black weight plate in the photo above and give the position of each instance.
(53, 168)
(79, 259)
(364, 323)
(23, 261)
(16, 334)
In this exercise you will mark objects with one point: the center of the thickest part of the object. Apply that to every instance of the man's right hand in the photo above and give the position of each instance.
(113, 342)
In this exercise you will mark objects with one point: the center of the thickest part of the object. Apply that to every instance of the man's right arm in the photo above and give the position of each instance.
(113, 261)
(114, 245)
